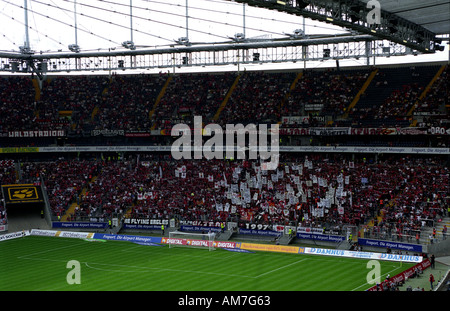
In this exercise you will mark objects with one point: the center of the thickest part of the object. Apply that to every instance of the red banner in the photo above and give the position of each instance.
(401, 277)
(194, 242)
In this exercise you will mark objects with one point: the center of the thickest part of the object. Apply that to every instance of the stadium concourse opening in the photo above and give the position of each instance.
(25, 207)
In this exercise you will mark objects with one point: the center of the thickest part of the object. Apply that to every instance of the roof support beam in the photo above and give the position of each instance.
(359, 16)
(284, 51)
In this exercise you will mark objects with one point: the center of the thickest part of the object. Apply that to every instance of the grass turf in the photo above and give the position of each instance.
(37, 263)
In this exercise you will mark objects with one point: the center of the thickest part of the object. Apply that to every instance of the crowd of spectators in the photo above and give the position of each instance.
(17, 104)
(399, 102)
(64, 180)
(126, 102)
(324, 92)
(257, 98)
(67, 102)
(191, 95)
(303, 190)
(311, 190)
(391, 95)
(437, 96)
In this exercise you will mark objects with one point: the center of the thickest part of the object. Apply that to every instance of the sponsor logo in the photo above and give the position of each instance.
(224, 244)
(25, 193)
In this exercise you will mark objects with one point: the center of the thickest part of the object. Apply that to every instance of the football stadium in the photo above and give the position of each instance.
(238, 147)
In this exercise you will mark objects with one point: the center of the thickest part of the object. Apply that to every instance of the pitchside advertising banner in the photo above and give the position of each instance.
(225, 245)
(24, 193)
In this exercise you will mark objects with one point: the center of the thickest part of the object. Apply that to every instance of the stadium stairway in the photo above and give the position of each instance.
(37, 89)
(285, 239)
(385, 83)
(361, 91)
(96, 109)
(426, 232)
(158, 99)
(427, 88)
(70, 211)
(224, 236)
(292, 87)
(227, 97)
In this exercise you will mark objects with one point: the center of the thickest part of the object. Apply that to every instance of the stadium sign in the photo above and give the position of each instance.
(199, 228)
(333, 149)
(108, 133)
(202, 223)
(437, 130)
(22, 193)
(393, 245)
(13, 235)
(23, 134)
(145, 221)
(260, 232)
(19, 150)
(338, 131)
(128, 238)
(320, 237)
(79, 225)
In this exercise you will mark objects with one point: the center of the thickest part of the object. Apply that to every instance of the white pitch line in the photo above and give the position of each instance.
(89, 265)
(365, 284)
(165, 269)
(291, 264)
(27, 256)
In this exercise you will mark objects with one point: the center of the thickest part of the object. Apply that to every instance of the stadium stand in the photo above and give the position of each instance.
(191, 95)
(391, 196)
(79, 104)
(402, 194)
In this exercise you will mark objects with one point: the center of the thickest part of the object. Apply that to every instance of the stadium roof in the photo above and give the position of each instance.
(433, 15)
(207, 26)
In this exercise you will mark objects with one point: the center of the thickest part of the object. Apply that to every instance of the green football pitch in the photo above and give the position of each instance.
(36, 263)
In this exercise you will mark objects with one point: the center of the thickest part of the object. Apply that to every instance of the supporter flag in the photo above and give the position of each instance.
(225, 179)
(341, 210)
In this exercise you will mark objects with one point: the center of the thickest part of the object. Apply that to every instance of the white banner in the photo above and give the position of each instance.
(62, 234)
(362, 255)
(13, 235)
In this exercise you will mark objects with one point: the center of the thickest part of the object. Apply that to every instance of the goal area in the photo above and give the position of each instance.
(187, 239)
